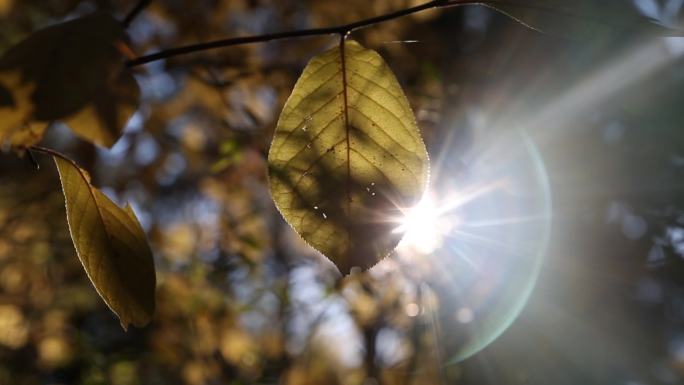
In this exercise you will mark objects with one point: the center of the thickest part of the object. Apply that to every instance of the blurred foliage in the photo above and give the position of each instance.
(69, 72)
(241, 299)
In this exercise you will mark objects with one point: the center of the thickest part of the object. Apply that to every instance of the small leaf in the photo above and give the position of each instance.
(347, 157)
(578, 19)
(111, 245)
(72, 72)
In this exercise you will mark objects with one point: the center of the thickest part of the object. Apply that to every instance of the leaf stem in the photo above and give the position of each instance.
(52, 152)
(340, 29)
(135, 11)
(33, 160)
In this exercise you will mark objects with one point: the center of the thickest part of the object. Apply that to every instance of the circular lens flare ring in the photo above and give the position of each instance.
(478, 238)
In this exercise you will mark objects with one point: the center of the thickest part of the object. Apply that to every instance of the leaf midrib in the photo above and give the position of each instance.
(106, 231)
(346, 130)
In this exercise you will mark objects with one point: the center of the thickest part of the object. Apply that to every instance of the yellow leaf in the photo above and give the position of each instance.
(347, 157)
(14, 105)
(72, 72)
(111, 245)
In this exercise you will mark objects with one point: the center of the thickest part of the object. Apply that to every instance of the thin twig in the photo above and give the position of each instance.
(133, 13)
(340, 30)
(347, 28)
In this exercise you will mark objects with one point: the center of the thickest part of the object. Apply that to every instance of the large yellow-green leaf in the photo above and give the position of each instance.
(111, 245)
(347, 157)
(579, 19)
(72, 72)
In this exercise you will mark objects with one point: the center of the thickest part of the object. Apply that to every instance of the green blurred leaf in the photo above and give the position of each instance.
(230, 155)
(111, 245)
(72, 72)
(347, 156)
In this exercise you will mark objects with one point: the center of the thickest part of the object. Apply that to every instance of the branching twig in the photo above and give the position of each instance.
(347, 28)
(340, 30)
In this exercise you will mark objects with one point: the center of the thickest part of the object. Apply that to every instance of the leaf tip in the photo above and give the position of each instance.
(137, 323)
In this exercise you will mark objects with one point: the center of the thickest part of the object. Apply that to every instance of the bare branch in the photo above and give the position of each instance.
(340, 29)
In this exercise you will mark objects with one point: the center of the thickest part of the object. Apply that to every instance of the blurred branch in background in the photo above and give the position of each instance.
(139, 7)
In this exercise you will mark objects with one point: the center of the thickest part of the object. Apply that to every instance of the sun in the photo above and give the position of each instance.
(423, 226)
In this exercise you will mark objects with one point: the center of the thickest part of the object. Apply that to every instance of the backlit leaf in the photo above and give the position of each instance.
(347, 157)
(72, 72)
(578, 19)
(111, 245)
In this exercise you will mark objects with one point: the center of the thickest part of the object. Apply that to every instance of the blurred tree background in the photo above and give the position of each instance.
(242, 300)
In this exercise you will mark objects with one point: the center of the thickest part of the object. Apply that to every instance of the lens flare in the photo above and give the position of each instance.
(423, 227)
(477, 240)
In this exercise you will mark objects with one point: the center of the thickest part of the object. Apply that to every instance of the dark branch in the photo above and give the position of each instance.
(340, 29)
(139, 7)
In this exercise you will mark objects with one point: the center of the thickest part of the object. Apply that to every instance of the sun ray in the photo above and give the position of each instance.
(505, 221)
